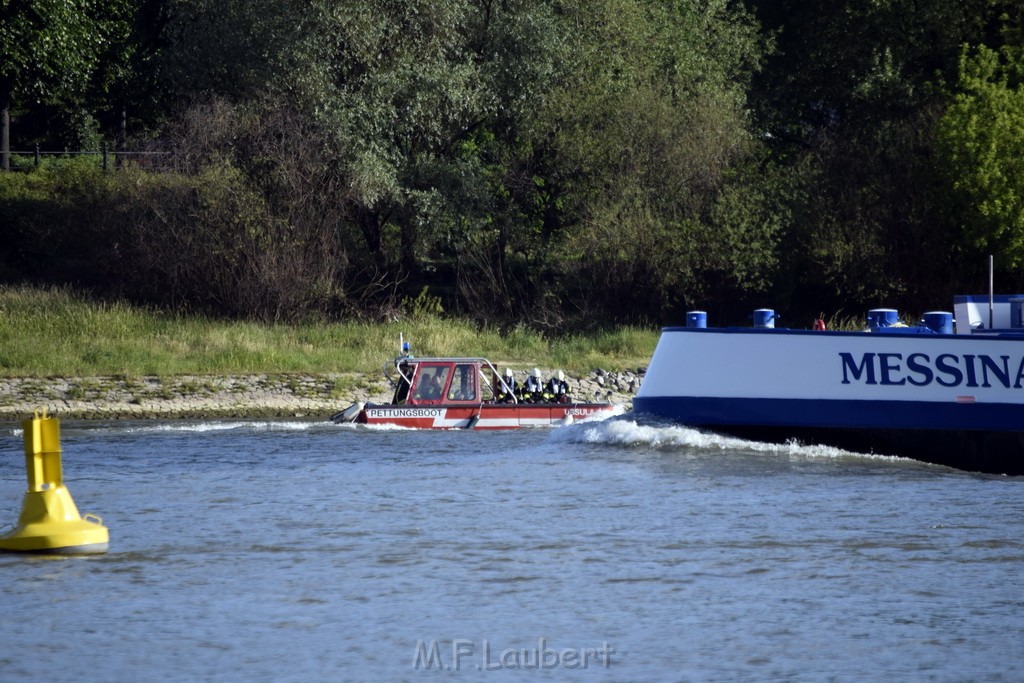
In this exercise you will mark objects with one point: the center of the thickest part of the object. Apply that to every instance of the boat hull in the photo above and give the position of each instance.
(950, 399)
(486, 416)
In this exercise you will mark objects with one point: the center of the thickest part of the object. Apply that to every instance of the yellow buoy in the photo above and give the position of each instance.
(49, 520)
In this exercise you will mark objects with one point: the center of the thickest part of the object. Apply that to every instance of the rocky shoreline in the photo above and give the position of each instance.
(250, 396)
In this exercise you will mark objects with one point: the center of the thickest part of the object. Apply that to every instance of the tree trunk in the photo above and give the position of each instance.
(122, 135)
(410, 262)
(369, 224)
(5, 135)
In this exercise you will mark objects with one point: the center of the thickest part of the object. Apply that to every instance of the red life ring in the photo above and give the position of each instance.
(819, 325)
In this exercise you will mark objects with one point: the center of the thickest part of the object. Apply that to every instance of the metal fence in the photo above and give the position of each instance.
(106, 157)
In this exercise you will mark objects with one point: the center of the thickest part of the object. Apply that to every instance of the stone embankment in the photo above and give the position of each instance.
(252, 396)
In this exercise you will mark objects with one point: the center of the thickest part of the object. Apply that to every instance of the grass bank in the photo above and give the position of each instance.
(53, 333)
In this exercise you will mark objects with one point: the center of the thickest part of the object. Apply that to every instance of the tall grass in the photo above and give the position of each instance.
(53, 332)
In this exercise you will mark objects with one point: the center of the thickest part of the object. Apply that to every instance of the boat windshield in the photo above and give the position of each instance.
(431, 382)
(463, 384)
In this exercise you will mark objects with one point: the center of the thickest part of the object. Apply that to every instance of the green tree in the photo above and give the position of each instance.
(48, 51)
(848, 105)
(127, 75)
(527, 143)
(390, 86)
(649, 128)
(981, 139)
(233, 49)
(406, 90)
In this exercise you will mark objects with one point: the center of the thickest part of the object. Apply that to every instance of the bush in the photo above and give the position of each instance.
(258, 243)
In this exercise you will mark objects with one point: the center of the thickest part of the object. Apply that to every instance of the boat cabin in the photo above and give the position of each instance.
(437, 381)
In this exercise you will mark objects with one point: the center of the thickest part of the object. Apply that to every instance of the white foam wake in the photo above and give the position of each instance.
(186, 427)
(627, 432)
(384, 427)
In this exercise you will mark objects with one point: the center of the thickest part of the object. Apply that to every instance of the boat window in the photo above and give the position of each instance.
(463, 384)
(430, 383)
(487, 386)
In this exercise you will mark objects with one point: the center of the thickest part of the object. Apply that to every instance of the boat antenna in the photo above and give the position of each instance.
(991, 289)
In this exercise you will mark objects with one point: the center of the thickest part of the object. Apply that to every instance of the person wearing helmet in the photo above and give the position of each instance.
(508, 387)
(557, 389)
(534, 386)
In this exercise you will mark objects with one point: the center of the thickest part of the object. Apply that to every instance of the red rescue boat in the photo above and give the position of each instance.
(464, 393)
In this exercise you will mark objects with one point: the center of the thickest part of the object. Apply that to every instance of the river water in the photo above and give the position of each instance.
(611, 551)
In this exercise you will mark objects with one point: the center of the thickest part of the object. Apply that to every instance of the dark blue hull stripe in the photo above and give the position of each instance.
(976, 437)
(831, 413)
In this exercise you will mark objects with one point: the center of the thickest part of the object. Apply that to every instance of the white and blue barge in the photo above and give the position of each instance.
(921, 391)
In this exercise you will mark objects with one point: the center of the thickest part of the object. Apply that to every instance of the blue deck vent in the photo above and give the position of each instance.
(696, 319)
(882, 317)
(939, 322)
(764, 317)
